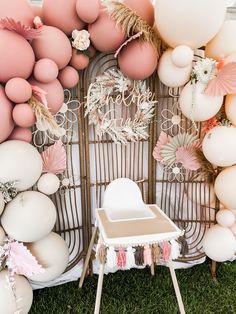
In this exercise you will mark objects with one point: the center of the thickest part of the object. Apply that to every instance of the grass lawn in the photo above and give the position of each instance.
(136, 292)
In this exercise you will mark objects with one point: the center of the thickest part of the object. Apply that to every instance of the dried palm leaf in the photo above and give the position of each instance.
(208, 171)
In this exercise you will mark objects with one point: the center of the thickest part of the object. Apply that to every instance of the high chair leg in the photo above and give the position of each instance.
(87, 259)
(99, 289)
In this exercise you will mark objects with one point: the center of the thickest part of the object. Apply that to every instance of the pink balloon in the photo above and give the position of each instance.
(17, 57)
(106, 35)
(79, 61)
(53, 44)
(6, 122)
(143, 8)
(68, 77)
(62, 14)
(21, 134)
(37, 10)
(87, 11)
(18, 90)
(23, 115)
(92, 51)
(138, 60)
(19, 10)
(55, 94)
(45, 70)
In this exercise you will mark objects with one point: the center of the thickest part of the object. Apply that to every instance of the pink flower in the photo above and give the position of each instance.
(209, 124)
(81, 39)
(163, 140)
(186, 156)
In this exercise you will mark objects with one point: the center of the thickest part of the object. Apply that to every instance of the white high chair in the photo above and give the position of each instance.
(126, 221)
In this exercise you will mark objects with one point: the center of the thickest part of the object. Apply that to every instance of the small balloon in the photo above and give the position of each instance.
(18, 90)
(88, 11)
(45, 70)
(23, 115)
(230, 108)
(21, 134)
(68, 77)
(48, 184)
(182, 56)
(225, 218)
(79, 61)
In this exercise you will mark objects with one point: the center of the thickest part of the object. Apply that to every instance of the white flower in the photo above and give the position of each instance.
(81, 39)
(205, 70)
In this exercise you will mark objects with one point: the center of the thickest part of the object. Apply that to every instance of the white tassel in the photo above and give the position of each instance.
(111, 257)
(175, 249)
(130, 259)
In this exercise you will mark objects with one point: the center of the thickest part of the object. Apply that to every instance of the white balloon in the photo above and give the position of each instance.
(21, 302)
(20, 161)
(53, 254)
(2, 203)
(29, 217)
(219, 146)
(48, 184)
(170, 74)
(2, 235)
(233, 229)
(225, 218)
(225, 187)
(201, 107)
(219, 244)
(230, 108)
(189, 22)
(182, 56)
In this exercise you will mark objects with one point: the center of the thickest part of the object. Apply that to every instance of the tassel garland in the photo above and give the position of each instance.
(147, 255)
(156, 253)
(166, 251)
(101, 253)
(111, 257)
(130, 260)
(139, 258)
(121, 258)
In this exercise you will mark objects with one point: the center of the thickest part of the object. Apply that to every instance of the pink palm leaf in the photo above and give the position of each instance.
(54, 158)
(162, 140)
(186, 156)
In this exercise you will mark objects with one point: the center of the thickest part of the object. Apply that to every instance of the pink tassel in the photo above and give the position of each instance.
(147, 254)
(121, 258)
(166, 251)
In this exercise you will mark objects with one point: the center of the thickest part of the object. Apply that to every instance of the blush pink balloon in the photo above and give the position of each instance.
(87, 11)
(79, 61)
(37, 10)
(143, 8)
(138, 60)
(17, 57)
(55, 94)
(68, 77)
(19, 10)
(45, 70)
(6, 122)
(53, 44)
(18, 90)
(23, 115)
(21, 134)
(62, 14)
(106, 35)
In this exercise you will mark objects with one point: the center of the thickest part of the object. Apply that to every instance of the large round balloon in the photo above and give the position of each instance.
(79, 61)
(189, 22)
(18, 300)
(53, 254)
(21, 134)
(225, 187)
(224, 43)
(53, 44)
(62, 14)
(18, 90)
(143, 8)
(19, 10)
(2, 236)
(6, 122)
(54, 96)
(219, 244)
(29, 217)
(225, 218)
(170, 74)
(21, 162)
(88, 11)
(138, 60)
(102, 39)
(17, 56)
(45, 70)
(202, 107)
(230, 108)
(218, 146)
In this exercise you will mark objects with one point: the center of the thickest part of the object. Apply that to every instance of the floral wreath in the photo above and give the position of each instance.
(110, 88)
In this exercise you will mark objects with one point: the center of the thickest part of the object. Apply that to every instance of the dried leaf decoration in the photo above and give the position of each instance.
(208, 172)
(54, 158)
(27, 32)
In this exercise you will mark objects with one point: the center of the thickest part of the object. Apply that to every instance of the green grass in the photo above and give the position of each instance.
(136, 292)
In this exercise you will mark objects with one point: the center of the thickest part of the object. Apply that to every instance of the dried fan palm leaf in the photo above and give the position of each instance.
(54, 158)
(208, 171)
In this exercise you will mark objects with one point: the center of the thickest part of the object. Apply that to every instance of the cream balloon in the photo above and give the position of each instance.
(230, 108)
(48, 184)
(218, 146)
(53, 254)
(202, 107)
(219, 244)
(189, 22)
(233, 229)
(2, 236)
(182, 56)
(202, 193)
(225, 218)
(2, 203)
(21, 162)
(224, 43)
(29, 217)
(18, 300)
(225, 187)
(170, 74)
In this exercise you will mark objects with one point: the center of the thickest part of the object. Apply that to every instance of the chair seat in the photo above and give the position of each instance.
(137, 231)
